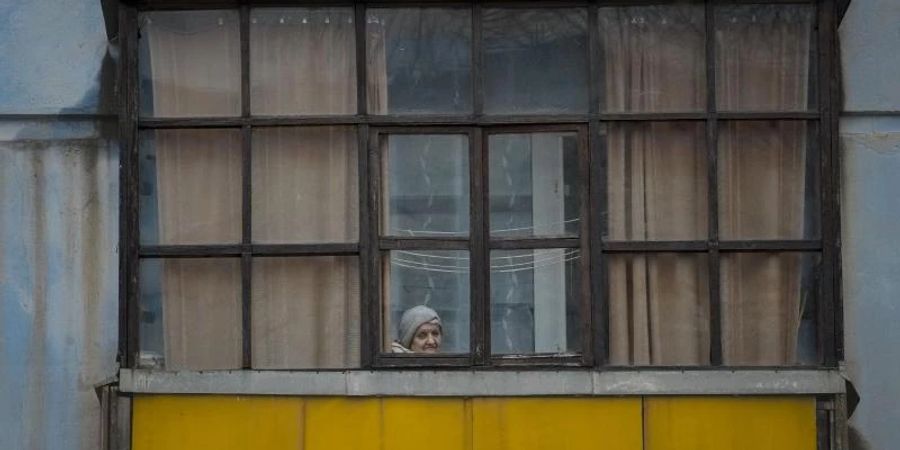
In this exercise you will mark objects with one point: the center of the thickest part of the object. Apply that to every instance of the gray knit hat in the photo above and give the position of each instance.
(412, 319)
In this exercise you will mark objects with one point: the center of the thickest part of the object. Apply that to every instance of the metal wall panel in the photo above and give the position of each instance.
(58, 281)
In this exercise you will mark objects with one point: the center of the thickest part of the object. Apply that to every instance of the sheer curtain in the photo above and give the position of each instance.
(654, 62)
(657, 191)
(305, 309)
(763, 59)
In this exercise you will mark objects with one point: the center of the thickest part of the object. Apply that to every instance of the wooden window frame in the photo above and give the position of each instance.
(478, 125)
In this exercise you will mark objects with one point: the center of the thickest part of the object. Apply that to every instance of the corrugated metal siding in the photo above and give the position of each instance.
(58, 282)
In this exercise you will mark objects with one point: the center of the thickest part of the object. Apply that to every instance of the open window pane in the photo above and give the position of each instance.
(535, 60)
(534, 185)
(190, 187)
(535, 301)
(769, 305)
(657, 181)
(764, 57)
(190, 313)
(419, 60)
(768, 181)
(305, 312)
(419, 286)
(305, 185)
(426, 185)
(654, 58)
(189, 63)
(658, 309)
(302, 61)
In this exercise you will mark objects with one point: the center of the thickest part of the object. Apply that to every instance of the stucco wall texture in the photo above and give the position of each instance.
(870, 138)
(58, 224)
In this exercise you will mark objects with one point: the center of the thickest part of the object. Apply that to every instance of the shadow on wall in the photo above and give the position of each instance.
(856, 441)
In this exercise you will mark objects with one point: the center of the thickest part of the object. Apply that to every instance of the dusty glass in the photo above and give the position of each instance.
(305, 312)
(769, 303)
(535, 60)
(657, 181)
(534, 186)
(302, 61)
(190, 186)
(658, 309)
(305, 185)
(425, 185)
(536, 301)
(419, 60)
(768, 180)
(189, 314)
(189, 63)
(653, 58)
(765, 57)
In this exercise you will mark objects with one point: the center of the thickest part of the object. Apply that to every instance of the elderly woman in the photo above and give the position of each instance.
(419, 331)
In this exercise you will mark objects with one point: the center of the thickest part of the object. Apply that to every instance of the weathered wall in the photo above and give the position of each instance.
(58, 224)
(870, 39)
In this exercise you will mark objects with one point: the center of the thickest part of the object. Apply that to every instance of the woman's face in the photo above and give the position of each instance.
(427, 338)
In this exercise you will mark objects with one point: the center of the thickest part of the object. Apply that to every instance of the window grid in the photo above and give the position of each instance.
(592, 152)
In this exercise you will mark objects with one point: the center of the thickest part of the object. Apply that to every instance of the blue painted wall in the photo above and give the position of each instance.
(58, 224)
(870, 47)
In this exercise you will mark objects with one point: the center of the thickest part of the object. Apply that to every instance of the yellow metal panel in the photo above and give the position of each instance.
(734, 423)
(420, 423)
(557, 423)
(216, 422)
(335, 423)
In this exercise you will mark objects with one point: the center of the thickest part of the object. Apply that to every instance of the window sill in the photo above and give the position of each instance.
(455, 383)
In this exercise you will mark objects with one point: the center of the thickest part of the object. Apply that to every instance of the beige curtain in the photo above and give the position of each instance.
(654, 58)
(305, 312)
(305, 188)
(657, 188)
(658, 304)
(763, 56)
(202, 313)
(303, 61)
(654, 61)
(376, 68)
(194, 63)
(305, 185)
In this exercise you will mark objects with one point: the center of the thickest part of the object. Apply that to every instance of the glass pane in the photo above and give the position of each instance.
(305, 185)
(189, 63)
(419, 60)
(657, 178)
(190, 187)
(535, 301)
(305, 312)
(190, 313)
(769, 305)
(658, 309)
(764, 57)
(426, 185)
(424, 291)
(768, 181)
(302, 61)
(654, 58)
(535, 60)
(534, 185)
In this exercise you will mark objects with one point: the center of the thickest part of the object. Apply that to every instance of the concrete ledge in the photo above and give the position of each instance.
(430, 383)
